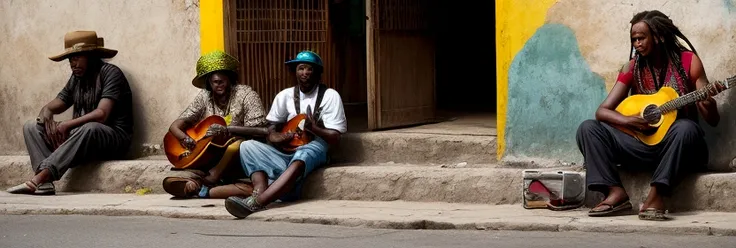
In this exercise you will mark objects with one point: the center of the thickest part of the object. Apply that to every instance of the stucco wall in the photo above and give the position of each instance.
(158, 44)
(559, 58)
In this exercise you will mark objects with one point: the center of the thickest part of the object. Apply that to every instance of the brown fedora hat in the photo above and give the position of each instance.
(83, 41)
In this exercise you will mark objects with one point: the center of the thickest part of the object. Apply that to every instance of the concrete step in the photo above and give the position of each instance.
(107, 177)
(480, 183)
(403, 147)
(416, 183)
(495, 185)
(416, 148)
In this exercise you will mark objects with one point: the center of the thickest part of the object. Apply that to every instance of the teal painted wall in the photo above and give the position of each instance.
(551, 91)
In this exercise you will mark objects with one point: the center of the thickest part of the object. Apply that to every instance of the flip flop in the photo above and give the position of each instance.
(654, 215)
(28, 188)
(46, 189)
(553, 207)
(626, 205)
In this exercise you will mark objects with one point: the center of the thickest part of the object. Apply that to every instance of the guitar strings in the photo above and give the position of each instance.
(672, 105)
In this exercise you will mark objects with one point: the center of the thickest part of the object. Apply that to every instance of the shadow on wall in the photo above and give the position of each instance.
(551, 91)
(140, 130)
(720, 139)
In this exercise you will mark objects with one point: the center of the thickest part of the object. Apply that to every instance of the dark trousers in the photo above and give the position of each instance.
(603, 147)
(91, 141)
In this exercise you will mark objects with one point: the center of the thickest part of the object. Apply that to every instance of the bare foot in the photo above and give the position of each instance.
(616, 195)
(654, 200)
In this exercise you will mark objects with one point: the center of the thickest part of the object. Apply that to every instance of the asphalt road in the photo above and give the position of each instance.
(103, 231)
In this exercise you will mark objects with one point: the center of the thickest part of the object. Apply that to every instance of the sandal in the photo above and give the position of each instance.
(611, 210)
(28, 188)
(184, 187)
(45, 189)
(654, 214)
(553, 207)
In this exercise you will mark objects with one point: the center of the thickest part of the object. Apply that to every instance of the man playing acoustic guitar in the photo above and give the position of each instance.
(243, 112)
(266, 163)
(660, 60)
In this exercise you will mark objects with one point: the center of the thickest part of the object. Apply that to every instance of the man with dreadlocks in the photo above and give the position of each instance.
(102, 122)
(659, 60)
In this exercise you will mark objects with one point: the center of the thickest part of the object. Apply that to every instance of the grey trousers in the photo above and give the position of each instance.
(89, 142)
(603, 147)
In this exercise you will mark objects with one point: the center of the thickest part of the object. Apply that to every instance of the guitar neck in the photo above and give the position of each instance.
(697, 95)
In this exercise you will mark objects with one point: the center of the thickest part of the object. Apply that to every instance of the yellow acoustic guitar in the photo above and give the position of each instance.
(660, 109)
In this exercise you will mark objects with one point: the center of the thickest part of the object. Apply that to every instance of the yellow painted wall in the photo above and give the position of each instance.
(211, 30)
(516, 22)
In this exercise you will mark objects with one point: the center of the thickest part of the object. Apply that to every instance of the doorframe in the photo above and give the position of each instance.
(372, 87)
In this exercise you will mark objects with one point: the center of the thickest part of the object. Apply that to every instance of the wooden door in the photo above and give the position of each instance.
(400, 62)
(263, 34)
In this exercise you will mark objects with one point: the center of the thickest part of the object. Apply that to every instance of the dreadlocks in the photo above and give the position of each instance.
(87, 90)
(665, 33)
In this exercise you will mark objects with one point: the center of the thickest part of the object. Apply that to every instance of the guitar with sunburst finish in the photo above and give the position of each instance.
(660, 109)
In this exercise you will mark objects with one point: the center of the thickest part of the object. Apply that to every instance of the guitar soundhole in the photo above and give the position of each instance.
(652, 114)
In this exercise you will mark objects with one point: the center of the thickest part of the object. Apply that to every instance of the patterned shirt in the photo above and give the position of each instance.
(245, 108)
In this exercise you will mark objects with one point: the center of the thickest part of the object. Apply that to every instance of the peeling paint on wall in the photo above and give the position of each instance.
(552, 90)
(516, 22)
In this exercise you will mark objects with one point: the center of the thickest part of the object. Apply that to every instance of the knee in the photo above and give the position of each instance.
(311, 156)
(248, 146)
(313, 149)
(91, 127)
(29, 126)
(686, 130)
(298, 164)
(587, 127)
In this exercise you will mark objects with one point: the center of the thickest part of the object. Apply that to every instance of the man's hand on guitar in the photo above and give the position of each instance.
(279, 138)
(188, 143)
(638, 123)
(309, 122)
(216, 130)
(714, 88)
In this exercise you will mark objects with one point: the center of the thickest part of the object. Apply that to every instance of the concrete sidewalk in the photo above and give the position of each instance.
(393, 214)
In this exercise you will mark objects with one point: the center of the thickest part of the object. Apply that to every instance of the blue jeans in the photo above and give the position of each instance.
(256, 156)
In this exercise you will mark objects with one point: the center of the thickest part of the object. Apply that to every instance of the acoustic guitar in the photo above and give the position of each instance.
(660, 109)
(301, 136)
(204, 153)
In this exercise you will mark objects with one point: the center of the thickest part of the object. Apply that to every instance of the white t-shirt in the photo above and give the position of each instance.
(333, 114)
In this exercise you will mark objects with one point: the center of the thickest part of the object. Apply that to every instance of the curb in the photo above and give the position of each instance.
(385, 224)
(380, 215)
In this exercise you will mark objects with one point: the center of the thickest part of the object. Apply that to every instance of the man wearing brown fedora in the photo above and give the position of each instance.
(102, 122)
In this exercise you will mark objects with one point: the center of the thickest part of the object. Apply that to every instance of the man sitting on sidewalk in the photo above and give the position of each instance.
(265, 163)
(102, 123)
(244, 115)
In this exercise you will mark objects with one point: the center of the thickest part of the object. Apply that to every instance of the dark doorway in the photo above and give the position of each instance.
(466, 56)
